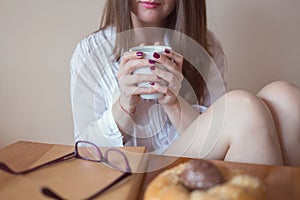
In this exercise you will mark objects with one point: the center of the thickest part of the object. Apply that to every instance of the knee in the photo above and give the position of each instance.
(248, 108)
(280, 88)
(281, 93)
(245, 101)
(251, 118)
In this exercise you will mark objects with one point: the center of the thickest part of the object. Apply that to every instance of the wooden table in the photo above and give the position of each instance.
(282, 182)
(71, 179)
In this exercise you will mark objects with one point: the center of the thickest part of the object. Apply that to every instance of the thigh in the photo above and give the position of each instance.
(237, 124)
(205, 137)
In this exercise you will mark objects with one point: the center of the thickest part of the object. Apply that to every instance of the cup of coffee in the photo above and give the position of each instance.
(148, 53)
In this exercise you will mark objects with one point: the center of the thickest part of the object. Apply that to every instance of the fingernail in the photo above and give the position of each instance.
(152, 61)
(139, 53)
(152, 83)
(156, 55)
(152, 68)
(167, 51)
(159, 77)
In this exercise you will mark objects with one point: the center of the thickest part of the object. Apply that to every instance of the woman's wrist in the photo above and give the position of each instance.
(126, 107)
(123, 119)
(181, 113)
(174, 107)
(129, 111)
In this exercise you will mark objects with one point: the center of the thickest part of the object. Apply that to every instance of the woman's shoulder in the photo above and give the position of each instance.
(98, 39)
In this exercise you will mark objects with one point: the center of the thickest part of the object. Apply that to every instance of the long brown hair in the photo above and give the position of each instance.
(188, 17)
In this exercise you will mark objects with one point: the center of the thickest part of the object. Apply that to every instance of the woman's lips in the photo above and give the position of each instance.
(150, 5)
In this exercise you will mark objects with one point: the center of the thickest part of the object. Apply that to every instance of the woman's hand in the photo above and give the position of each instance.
(173, 62)
(179, 111)
(130, 92)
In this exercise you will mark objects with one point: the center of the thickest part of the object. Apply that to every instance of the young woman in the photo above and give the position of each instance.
(108, 110)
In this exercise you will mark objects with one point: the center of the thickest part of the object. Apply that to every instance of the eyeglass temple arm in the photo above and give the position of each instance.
(125, 175)
(48, 192)
(7, 169)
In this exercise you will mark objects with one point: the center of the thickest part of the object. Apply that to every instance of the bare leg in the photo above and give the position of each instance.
(283, 99)
(247, 132)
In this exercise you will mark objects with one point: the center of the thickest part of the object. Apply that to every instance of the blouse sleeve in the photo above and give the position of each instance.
(92, 116)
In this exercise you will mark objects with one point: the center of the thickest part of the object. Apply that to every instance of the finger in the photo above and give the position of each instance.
(139, 78)
(165, 90)
(133, 90)
(160, 88)
(162, 59)
(141, 90)
(131, 65)
(176, 57)
(130, 55)
(171, 67)
(163, 74)
(167, 61)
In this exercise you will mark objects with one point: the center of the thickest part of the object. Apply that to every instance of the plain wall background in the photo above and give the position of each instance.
(37, 39)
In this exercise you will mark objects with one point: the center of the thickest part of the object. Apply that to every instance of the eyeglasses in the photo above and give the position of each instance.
(85, 150)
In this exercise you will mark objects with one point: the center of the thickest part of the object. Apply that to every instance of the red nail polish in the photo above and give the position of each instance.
(152, 61)
(139, 53)
(156, 55)
(152, 68)
(152, 83)
(167, 51)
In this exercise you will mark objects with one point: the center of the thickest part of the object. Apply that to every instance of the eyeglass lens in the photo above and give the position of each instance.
(88, 151)
(114, 158)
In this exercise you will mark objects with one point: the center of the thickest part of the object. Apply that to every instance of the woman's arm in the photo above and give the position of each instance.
(181, 114)
(179, 111)
(92, 95)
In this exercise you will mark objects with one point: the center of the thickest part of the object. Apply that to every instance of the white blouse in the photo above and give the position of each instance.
(94, 90)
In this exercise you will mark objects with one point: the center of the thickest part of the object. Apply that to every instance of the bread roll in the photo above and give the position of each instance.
(200, 179)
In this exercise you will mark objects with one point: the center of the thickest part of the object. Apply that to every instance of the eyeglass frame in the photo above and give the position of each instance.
(69, 156)
(48, 192)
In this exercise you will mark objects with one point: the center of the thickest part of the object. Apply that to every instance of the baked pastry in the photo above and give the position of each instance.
(200, 179)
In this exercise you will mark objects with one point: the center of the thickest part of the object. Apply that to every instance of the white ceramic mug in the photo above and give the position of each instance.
(148, 53)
